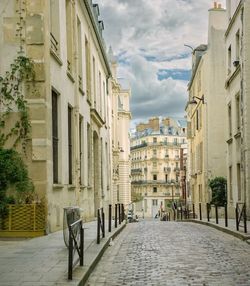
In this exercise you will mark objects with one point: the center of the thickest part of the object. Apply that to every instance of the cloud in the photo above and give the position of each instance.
(148, 38)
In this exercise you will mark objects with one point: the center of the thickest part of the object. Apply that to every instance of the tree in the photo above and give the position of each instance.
(218, 186)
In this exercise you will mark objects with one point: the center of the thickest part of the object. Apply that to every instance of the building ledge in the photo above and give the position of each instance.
(96, 117)
(232, 76)
(237, 135)
(230, 140)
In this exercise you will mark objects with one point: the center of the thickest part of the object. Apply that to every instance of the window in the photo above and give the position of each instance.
(229, 120)
(154, 202)
(237, 40)
(230, 184)
(94, 80)
(79, 47)
(229, 60)
(89, 153)
(200, 192)
(237, 106)
(175, 141)
(55, 138)
(154, 139)
(239, 181)
(154, 152)
(166, 177)
(154, 189)
(88, 73)
(54, 26)
(155, 177)
(70, 155)
(80, 147)
(69, 35)
(154, 164)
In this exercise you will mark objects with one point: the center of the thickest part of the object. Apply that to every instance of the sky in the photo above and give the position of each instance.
(148, 38)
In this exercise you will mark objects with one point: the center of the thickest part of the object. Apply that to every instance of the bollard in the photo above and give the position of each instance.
(123, 216)
(200, 211)
(245, 218)
(81, 245)
(103, 223)
(193, 211)
(115, 215)
(188, 212)
(236, 217)
(110, 217)
(208, 212)
(98, 226)
(181, 212)
(226, 221)
(119, 213)
(216, 214)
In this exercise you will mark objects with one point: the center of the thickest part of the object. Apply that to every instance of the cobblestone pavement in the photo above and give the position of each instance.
(171, 253)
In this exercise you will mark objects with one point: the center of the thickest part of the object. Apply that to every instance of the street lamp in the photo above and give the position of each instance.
(193, 101)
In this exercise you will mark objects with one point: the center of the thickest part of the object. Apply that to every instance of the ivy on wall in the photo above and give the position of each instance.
(12, 100)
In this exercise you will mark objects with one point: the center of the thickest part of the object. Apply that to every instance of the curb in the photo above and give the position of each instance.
(223, 229)
(105, 243)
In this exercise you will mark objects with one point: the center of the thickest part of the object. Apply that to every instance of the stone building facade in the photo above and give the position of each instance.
(155, 165)
(70, 103)
(237, 84)
(206, 111)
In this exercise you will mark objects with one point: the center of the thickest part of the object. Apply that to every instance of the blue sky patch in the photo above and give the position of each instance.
(176, 74)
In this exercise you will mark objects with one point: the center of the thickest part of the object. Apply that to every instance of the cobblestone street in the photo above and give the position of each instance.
(170, 253)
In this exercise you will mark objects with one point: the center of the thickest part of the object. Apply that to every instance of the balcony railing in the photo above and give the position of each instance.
(167, 169)
(144, 144)
(135, 171)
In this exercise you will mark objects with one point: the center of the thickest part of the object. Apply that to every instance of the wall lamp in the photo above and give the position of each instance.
(193, 101)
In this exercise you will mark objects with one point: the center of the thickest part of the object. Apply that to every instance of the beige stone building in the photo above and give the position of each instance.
(237, 84)
(155, 165)
(70, 159)
(121, 116)
(206, 111)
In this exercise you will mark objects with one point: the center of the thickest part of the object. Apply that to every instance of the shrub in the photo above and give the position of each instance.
(218, 186)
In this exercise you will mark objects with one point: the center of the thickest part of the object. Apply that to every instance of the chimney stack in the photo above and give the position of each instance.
(215, 5)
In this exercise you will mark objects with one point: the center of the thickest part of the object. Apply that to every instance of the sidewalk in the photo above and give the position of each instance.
(43, 261)
(230, 229)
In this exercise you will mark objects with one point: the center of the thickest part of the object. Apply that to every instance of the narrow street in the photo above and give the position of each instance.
(153, 252)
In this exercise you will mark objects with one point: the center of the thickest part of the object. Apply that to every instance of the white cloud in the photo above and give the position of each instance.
(149, 35)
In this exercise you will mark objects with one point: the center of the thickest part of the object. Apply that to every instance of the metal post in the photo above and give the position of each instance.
(123, 217)
(187, 211)
(98, 226)
(103, 223)
(81, 244)
(226, 222)
(115, 215)
(200, 211)
(181, 212)
(193, 211)
(245, 218)
(119, 210)
(237, 217)
(70, 261)
(110, 217)
(208, 212)
(216, 214)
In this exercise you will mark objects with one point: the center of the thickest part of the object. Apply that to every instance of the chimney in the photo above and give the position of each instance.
(215, 5)
(219, 6)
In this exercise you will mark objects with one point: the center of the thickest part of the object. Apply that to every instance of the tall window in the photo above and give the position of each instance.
(89, 154)
(155, 202)
(70, 153)
(54, 26)
(154, 139)
(94, 81)
(55, 138)
(229, 120)
(79, 48)
(237, 106)
(154, 189)
(155, 177)
(230, 184)
(80, 147)
(229, 60)
(200, 192)
(239, 181)
(88, 72)
(69, 35)
(237, 40)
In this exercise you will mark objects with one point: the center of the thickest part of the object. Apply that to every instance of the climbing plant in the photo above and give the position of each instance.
(12, 101)
(13, 174)
(218, 186)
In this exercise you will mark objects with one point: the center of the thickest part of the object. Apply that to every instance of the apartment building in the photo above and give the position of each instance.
(206, 111)
(70, 102)
(155, 165)
(237, 84)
